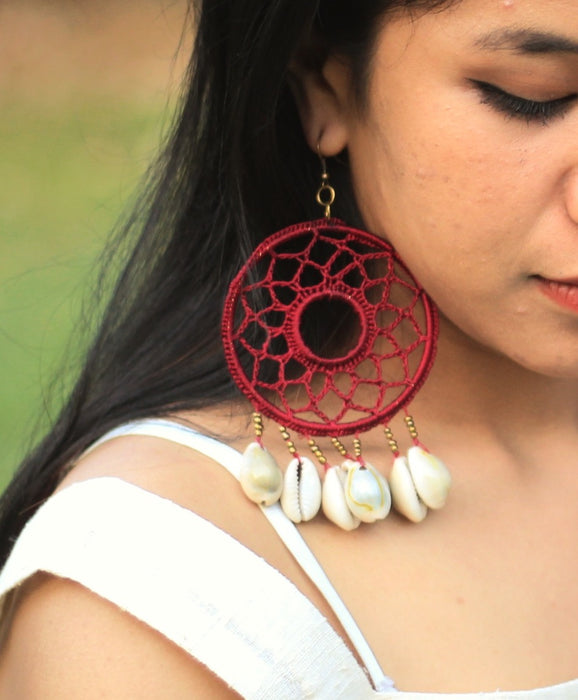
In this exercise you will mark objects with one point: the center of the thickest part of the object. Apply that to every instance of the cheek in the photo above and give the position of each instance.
(452, 207)
(446, 199)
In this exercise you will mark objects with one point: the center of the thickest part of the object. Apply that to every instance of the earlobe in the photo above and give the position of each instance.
(322, 101)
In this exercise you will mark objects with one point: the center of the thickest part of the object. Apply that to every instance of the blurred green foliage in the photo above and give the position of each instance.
(66, 173)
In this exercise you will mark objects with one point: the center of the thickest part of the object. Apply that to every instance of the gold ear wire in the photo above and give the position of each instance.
(325, 194)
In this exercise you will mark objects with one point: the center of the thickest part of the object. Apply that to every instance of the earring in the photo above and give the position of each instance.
(327, 333)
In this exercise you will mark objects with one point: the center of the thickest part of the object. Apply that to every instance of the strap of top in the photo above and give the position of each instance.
(230, 458)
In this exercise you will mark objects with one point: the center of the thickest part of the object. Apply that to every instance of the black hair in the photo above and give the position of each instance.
(235, 168)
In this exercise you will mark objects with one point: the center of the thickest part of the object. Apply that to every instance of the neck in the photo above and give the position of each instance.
(473, 387)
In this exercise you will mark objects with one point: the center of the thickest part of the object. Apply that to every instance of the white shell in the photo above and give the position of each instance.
(431, 477)
(333, 500)
(366, 492)
(260, 477)
(301, 497)
(403, 493)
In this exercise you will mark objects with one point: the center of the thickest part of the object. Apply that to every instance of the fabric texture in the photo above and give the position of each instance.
(172, 569)
(287, 531)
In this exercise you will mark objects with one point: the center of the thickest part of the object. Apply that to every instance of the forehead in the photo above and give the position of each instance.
(539, 14)
(516, 26)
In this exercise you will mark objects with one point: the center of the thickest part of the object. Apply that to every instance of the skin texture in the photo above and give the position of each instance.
(489, 200)
(478, 203)
(63, 657)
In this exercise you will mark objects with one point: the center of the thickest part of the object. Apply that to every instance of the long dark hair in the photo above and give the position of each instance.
(235, 168)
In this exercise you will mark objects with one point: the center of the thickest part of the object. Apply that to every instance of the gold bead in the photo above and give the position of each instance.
(258, 424)
(391, 441)
(339, 446)
(411, 426)
(316, 451)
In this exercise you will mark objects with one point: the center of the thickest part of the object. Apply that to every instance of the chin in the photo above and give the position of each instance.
(556, 365)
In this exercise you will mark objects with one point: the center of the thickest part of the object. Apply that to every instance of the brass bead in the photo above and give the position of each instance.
(339, 446)
(391, 441)
(258, 424)
(290, 444)
(411, 426)
(317, 451)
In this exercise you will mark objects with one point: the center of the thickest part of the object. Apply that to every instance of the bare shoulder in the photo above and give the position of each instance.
(74, 644)
(77, 644)
(197, 483)
(187, 478)
(163, 467)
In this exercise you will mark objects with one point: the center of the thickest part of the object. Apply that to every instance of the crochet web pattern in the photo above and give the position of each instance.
(360, 373)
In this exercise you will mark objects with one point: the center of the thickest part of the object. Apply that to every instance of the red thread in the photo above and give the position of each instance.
(327, 263)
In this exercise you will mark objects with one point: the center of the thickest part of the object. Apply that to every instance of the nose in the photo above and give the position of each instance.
(572, 194)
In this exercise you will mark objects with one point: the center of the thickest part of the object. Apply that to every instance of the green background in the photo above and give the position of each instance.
(80, 120)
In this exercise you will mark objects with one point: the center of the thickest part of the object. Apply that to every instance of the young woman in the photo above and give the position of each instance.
(450, 130)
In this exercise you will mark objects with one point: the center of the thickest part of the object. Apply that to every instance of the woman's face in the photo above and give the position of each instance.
(466, 159)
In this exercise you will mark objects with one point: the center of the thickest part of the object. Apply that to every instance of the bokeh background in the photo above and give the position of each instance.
(87, 88)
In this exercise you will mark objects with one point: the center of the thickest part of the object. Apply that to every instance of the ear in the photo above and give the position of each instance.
(323, 102)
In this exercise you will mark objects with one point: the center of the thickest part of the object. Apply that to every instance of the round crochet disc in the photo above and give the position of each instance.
(326, 331)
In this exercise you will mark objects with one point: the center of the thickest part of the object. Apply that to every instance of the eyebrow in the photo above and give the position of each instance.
(527, 41)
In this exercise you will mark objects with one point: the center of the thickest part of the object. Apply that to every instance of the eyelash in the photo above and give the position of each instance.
(521, 108)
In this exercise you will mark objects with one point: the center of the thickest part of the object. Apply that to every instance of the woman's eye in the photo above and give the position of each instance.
(520, 107)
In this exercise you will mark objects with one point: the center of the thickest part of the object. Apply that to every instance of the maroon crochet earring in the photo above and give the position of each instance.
(334, 384)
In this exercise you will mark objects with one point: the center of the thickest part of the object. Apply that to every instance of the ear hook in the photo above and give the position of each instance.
(325, 194)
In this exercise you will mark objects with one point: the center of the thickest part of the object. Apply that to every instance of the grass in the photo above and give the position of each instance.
(67, 171)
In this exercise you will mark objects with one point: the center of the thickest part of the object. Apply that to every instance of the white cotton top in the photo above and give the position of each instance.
(207, 592)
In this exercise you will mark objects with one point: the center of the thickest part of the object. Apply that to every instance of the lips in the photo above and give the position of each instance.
(563, 292)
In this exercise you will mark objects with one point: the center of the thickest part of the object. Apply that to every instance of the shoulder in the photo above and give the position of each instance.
(187, 478)
(70, 635)
(197, 483)
(73, 644)
(76, 643)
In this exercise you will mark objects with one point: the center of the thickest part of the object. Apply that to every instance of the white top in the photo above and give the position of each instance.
(172, 569)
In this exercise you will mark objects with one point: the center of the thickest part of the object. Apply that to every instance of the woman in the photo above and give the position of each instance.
(450, 130)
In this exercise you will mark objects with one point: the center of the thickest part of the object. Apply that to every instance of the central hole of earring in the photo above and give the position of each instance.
(330, 327)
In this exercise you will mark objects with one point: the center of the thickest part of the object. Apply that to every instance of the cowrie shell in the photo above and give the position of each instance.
(260, 476)
(366, 491)
(403, 493)
(333, 500)
(431, 477)
(301, 497)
